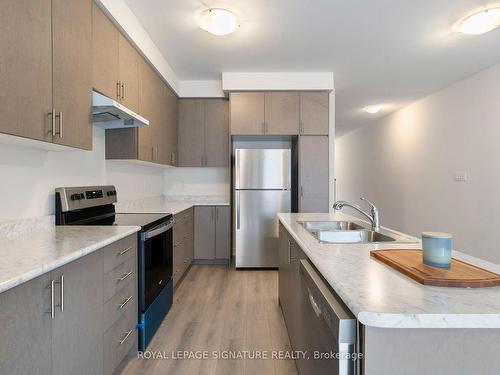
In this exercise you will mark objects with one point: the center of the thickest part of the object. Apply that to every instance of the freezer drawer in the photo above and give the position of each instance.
(262, 169)
(256, 226)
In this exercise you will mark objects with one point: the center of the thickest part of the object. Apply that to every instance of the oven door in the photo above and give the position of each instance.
(155, 262)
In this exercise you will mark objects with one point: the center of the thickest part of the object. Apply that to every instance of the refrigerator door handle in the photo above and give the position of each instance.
(238, 210)
(237, 169)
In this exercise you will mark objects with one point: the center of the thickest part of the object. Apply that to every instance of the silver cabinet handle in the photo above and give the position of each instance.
(301, 191)
(127, 334)
(127, 300)
(52, 311)
(125, 251)
(118, 94)
(123, 91)
(290, 257)
(61, 123)
(53, 115)
(152, 153)
(301, 127)
(125, 276)
(61, 292)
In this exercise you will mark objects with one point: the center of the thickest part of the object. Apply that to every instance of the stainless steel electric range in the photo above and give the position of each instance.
(94, 205)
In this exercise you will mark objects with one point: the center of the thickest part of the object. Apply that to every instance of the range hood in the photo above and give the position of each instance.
(110, 114)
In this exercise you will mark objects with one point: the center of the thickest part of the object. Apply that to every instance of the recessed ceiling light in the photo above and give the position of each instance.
(372, 109)
(218, 21)
(480, 22)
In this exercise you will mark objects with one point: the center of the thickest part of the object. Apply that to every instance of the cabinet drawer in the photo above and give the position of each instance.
(119, 339)
(119, 252)
(115, 279)
(124, 300)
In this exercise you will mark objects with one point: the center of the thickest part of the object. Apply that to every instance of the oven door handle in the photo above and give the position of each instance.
(158, 230)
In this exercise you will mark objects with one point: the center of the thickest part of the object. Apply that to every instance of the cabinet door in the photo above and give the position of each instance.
(204, 232)
(145, 135)
(25, 328)
(170, 108)
(282, 112)
(191, 133)
(222, 232)
(284, 287)
(26, 68)
(128, 73)
(247, 113)
(77, 341)
(72, 71)
(313, 173)
(105, 54)
(217, 132)
(314, 118)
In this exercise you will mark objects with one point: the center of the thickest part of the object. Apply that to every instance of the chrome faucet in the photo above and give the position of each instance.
(372, 216)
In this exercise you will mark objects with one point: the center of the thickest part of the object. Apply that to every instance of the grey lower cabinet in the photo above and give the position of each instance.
(313, 174)
(183, 244)
(26, 328)
(212, 234)
(54, 324)
(77, 326)
(289, 287)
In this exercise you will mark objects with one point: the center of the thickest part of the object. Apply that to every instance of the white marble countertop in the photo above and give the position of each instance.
(170, 205)
(379, 296)
(30, 248)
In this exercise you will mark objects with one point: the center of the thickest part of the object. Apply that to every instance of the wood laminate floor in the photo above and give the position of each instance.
(218, 308)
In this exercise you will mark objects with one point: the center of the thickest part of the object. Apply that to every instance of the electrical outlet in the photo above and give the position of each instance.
(460, 176)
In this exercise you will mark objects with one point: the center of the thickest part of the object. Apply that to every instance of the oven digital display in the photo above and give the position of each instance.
(93, 194)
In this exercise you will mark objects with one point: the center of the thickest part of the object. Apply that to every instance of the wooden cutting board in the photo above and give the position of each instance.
(459, 275)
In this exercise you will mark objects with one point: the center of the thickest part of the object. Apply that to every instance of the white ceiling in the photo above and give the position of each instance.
(390, 52)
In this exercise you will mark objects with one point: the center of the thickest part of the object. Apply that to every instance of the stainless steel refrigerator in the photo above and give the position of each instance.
(262, 188)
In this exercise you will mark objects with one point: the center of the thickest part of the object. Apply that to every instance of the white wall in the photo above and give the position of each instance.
(197, 181)
(29, 177)
(406, 164)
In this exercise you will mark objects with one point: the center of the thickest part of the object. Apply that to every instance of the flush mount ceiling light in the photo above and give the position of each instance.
(480, 22)
(218, 21)
(372, 109)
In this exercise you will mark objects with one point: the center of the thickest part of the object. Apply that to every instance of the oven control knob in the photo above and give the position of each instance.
(75, 197)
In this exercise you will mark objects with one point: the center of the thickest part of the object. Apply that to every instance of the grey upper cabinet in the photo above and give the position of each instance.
(212, 232)
(191, 133)
(279, 113)
(217, 133)
(313, 174)
(203, 133)
(169, 117)
(105, 38)
(115, 62)
(204, 232)
(46, 66)
(26, 68)
(25, 328)
(247, 113)
(222, 232)
(282, 113)
(72, 71)
(314, 113)
(128, 63)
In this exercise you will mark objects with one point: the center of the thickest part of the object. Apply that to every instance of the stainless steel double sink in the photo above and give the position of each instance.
(351, 232)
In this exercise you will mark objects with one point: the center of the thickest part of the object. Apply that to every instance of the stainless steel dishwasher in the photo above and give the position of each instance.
(328, 328)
